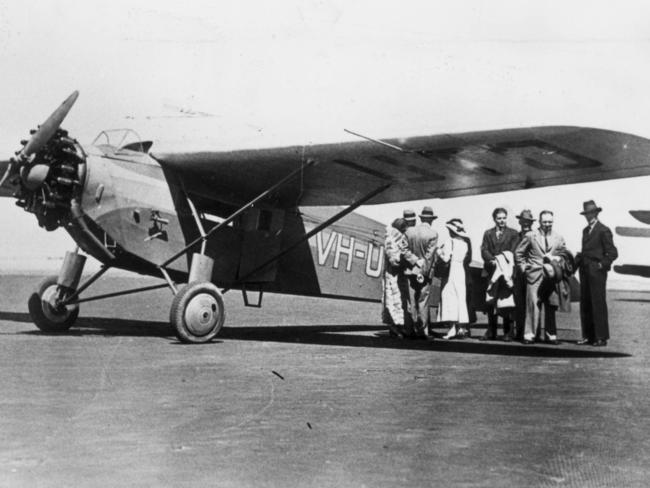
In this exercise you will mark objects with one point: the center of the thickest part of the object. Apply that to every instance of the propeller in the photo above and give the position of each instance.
(33, 176)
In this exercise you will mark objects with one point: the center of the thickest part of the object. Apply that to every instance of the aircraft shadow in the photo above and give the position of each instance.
(367, 336)
(100, 326)
(340, 336)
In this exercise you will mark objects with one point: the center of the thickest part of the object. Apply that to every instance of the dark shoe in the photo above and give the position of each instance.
(600, 343)
(395, 332)
(487, 337)
(583, 342)
(528, 341)
(507, 339)
(553, 342)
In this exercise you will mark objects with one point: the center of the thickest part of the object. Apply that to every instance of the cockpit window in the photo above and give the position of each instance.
(119, 141)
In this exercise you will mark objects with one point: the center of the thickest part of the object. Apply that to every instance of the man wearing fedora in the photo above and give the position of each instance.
(497, 240)
(422, 240)
(530, 256)
(595, 260)
(409, 216)
(526, 220)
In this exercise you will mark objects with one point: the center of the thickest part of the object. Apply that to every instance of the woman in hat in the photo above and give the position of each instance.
(457, 251)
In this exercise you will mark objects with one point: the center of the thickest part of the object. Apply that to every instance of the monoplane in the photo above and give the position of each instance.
(274, 219)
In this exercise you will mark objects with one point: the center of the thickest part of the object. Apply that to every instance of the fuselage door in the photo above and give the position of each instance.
(262, 239)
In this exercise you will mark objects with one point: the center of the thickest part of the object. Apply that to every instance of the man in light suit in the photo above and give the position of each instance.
(595, 260)
(422, 241)
(496, 240)
(529, 256)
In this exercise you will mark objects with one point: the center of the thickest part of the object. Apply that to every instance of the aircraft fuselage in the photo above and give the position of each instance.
(142, 218)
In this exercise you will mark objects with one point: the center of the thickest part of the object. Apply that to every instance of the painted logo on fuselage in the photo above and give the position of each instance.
(344, 252)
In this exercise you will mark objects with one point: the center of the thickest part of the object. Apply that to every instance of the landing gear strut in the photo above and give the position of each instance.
(46, 305)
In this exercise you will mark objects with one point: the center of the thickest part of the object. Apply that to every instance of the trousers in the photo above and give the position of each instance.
(417, 317)
(540, 316)
(593, 303)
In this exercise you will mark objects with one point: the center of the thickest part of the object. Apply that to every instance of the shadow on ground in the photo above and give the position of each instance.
(372, 336)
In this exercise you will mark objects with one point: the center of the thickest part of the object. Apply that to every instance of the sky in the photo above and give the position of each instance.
(289, 72)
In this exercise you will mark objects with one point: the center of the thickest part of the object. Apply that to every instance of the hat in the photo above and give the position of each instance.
(399, 224)
(456, 226)
(552, 269)
(409, 215)
(526, 214)
(427, 213)
(590, 206)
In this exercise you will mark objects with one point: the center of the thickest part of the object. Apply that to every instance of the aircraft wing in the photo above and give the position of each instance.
(437, 166)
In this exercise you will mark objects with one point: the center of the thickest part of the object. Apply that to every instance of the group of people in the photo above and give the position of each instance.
(527, 274)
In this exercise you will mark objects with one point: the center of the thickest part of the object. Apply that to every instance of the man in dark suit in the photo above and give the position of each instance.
(496, 240)
(526, 220)
(595, 260)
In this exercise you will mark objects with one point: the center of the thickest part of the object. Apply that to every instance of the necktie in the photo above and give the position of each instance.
(546, 242)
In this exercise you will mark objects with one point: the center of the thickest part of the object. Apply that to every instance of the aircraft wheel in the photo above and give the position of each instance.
(197, 313)
(44, 314)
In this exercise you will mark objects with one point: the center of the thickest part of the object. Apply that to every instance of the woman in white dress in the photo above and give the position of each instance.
(457, 251)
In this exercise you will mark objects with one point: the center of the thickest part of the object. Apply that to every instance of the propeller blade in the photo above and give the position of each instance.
(49, 127)
(5, 170)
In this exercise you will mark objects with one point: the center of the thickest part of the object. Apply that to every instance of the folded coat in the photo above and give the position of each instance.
(500, 287)
(555, 288)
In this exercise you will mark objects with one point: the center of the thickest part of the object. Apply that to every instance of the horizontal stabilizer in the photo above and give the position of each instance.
(633, 232)
(633, 269)
(641, 215)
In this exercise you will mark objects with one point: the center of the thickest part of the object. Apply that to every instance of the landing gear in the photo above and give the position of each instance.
(46, 311)
(197, 313)
(47, 305)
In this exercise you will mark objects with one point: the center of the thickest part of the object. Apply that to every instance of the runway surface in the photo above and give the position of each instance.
(308, 392)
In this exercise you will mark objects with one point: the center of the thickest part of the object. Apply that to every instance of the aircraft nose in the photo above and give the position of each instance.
(48, 172)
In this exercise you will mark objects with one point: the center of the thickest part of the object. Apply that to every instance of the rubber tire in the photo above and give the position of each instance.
(177, 316)
(39, 313)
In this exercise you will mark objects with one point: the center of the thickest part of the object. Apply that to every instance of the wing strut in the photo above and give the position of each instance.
(315, 231)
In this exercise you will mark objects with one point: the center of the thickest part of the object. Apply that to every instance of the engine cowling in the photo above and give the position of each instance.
(51, 180)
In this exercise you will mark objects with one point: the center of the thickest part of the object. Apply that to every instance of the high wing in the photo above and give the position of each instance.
(437, 166)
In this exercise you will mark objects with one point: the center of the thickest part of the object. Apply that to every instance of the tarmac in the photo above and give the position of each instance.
(313, 392)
